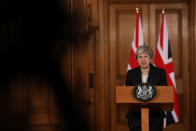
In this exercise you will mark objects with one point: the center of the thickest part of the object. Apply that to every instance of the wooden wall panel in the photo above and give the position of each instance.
(93, 91)
(84, 79)
(192, 53)
(38, 94)
(122, 20)
(80, 18)
(80, 79)
(18, 94)
(127, 1)
(103, 69)
(174, 22)
(92, 13)
(82, 57)
(177, 23)
(124, 36)
(44, 129)
(121, 28)
(147, 1)
(32, 97)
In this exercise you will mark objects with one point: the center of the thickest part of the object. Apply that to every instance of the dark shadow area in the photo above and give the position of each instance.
(29, 30)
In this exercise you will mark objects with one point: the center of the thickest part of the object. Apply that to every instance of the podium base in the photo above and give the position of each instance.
(145, 118)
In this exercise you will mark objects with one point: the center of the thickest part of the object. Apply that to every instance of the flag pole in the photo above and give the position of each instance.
(171, 116)
(163, 11)
(137, 10)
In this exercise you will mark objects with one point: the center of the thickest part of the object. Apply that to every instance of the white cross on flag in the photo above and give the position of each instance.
(163, 59)
(138, 40)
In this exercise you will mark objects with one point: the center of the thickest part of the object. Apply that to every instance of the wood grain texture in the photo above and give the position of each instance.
(121, 15)
(162, 101)
(145, 119)
(92, 12)
(121, 29)
(177, 23)
(146, 1)
(192, 68)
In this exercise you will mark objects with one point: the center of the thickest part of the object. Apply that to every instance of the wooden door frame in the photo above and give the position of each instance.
(105, 71)
(192, 69)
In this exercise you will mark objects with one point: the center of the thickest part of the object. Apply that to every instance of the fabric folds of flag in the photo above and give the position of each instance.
(163, 59)
(137, 41)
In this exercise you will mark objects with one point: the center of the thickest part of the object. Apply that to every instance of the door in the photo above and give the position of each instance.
(41, 101)
(32, 104)
(121, 27)
(84, 80)
(177, 23)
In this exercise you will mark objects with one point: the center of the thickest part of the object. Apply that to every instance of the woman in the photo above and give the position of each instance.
(146, 73)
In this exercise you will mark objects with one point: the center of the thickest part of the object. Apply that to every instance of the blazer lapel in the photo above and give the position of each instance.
(138, 76)
(150, 75)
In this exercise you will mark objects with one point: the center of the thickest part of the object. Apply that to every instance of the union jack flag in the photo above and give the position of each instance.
(138, 40)
(163, 59)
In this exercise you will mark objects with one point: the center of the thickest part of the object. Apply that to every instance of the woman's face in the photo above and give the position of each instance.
(144, 60)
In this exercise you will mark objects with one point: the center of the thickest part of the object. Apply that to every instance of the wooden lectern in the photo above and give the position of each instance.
(163, 101)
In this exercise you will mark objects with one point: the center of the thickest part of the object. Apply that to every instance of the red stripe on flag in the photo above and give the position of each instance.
(159, 63)
(138, 37)
(169, 69)
(132, 60)
(158, 60)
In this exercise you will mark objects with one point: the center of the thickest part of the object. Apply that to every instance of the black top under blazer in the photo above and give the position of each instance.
(156, 77)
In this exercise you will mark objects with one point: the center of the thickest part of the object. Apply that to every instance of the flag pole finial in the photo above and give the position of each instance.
(163, 11)
(137, 10)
